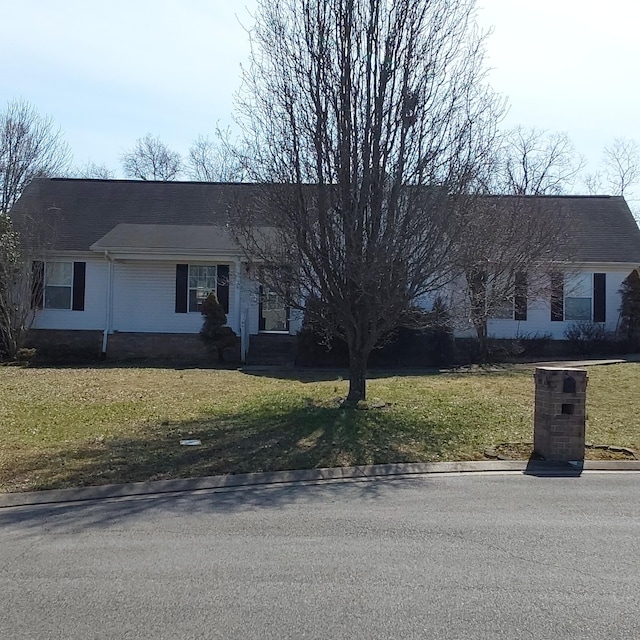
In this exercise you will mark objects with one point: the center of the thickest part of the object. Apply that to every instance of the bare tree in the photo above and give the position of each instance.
(30, 146)
(618, 173)
(9, 251)
(20, 282)
(211, 161)
(367, 118)
(97, 171)
(535, 162)
(151, 159)
(509, 245)
(621, 165)
(507, 249)
(593, 183)
(619, 169)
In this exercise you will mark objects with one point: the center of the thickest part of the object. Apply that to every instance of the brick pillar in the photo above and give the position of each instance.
(560, 410)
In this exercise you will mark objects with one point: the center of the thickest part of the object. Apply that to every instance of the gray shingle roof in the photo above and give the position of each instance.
(167, 237)
(599, 228)
(603, 227)
(87, 210)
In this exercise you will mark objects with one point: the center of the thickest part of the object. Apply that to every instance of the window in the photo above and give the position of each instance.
(503, 309)
(195, 282)
(511, 298)
(578, 297)
(58, 285)
(202, 281)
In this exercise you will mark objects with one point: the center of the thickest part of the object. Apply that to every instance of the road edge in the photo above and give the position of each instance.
(180, 485)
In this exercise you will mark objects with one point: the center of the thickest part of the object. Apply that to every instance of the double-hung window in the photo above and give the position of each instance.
(58, 285)
(194, 283)
(202, 281)
(579, 298)
(509, 295)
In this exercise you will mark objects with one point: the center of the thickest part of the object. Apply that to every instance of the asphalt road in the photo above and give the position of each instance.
(443, 557)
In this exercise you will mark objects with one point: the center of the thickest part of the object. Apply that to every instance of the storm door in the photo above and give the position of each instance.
(274, 313)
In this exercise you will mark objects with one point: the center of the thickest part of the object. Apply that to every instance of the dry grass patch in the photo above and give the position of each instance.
(86, 426)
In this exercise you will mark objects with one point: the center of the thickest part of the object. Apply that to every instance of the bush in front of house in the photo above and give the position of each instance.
(426, 341)
(536, 345)
(590, 338)
(630, 311)
(214, 333)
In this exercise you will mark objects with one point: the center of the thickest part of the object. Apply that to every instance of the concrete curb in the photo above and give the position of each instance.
(535, 468)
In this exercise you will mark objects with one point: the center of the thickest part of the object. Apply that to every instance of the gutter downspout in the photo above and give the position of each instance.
(108, 320)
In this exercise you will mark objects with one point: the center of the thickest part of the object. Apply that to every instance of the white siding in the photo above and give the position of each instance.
(250, 302)
(539, 314)
(538, 320)
(144, 299)
(614, 282)
(93, 316)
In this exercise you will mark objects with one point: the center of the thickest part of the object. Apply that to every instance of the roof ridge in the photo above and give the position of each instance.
(134, 181)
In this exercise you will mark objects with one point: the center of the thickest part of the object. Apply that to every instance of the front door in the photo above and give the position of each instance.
(274, 313)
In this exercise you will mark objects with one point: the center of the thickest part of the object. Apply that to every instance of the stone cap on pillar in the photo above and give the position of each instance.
(567, 380)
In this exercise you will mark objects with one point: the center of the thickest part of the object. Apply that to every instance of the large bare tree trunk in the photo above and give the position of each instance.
(357, 375)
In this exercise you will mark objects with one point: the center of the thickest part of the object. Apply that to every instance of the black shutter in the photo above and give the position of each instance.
(599, 297)
(79, 280)
(261, 319)
(520, 302)
(37, 284)
(557, 297)
(223, 286)
(182, 283)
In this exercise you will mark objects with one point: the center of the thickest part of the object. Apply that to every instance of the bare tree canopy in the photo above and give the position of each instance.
(30, 146)
(372, 115)
(621, 165)
(535, 162)
(151, 159)
(507, 248)
(211, 161)
(97, 171)
(508, 245)
(619, 169)
(20, 280)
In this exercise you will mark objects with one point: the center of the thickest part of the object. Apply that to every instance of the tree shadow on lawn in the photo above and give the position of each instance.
(329, 375)
(262, 436)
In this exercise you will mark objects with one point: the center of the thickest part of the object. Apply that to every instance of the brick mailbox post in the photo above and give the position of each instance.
(560, 412)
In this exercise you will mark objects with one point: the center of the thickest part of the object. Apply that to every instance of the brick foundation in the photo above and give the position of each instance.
(560, 411)
(57, 345)
(65, 345)
(175, 347)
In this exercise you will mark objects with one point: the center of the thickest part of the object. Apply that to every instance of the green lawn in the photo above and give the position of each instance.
(86, 426)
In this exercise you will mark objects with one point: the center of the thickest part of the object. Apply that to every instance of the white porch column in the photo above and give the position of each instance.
(237, 307)
(108, 321)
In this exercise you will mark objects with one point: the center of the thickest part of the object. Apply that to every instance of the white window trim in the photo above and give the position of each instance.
(567, 288)
(190, 288)
(45, 285)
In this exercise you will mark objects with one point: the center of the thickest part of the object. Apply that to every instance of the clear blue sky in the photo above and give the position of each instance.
(109, 72)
